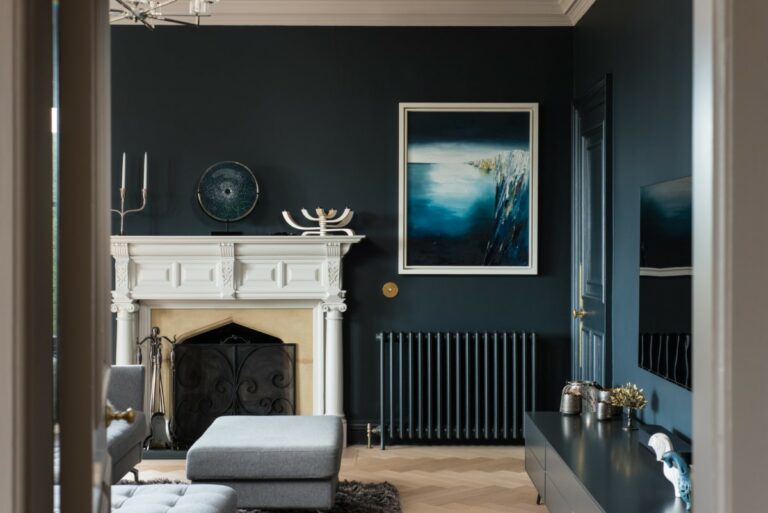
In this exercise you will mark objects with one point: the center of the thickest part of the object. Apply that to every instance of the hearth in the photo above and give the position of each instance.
(230, 370)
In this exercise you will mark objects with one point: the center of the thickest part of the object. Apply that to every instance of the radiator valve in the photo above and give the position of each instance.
(370, 431)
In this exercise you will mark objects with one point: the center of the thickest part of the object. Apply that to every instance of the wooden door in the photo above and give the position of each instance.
(591, 235)
(84, 263)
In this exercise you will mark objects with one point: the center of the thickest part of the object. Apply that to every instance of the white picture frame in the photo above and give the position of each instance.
(410, 264)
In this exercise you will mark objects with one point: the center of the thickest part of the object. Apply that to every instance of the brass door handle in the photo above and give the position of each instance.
(580, 313)
(111, 415)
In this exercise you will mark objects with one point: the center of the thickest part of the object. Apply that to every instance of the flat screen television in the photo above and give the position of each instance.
(666, 271)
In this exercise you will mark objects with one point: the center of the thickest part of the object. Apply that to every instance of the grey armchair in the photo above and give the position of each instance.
(124, 440)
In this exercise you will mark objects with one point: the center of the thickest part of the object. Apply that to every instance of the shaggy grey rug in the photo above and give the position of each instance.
(351, 497)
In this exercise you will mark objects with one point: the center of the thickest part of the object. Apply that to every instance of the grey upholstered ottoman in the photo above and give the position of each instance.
(173, 498)
(271, 462)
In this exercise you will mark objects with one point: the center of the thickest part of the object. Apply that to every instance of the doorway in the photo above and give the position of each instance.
(591, 235)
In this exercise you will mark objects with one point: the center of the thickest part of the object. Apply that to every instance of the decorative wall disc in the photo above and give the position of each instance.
(228, 191)
(390, 289)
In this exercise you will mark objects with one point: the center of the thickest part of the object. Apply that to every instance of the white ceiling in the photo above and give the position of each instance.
(483, 13)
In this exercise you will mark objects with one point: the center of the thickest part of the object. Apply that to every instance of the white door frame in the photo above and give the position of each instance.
(729, 250)
(26, 429)
(85, 331)
(730, 244)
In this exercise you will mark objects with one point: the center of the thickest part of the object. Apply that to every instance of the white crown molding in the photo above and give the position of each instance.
(666, 272)
(452, 13)
(575, 9)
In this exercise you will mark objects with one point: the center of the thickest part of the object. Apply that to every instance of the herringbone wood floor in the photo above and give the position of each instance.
(430, 479)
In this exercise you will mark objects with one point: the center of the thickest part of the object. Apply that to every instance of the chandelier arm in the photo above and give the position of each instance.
(179, 22)
(129, 8)
(137, 16)
(143, 21)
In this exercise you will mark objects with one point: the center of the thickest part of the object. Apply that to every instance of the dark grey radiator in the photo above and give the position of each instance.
(441, 387)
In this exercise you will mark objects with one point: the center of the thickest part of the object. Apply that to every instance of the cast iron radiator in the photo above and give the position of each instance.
(441, 387)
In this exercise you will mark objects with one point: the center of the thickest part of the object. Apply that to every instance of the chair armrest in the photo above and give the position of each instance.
(126, 387)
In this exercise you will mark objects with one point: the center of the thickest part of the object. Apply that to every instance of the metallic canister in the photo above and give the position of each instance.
(589, 399)
(570, 404)
(573, 393)
(604, 411)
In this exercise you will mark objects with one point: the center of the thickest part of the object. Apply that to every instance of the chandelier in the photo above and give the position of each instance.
(147, 12)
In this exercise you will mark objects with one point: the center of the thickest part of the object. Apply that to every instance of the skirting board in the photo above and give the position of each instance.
(164, 454)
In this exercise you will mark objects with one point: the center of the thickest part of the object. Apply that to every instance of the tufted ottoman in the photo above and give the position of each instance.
(271, 461)
(173, 498)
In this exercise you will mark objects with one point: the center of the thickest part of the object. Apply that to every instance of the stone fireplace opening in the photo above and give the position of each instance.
(229, 370)
(293, 325)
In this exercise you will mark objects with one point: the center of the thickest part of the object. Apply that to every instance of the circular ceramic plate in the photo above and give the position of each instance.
(228, 191)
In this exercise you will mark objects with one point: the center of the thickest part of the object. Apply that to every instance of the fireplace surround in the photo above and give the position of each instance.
(238, 272)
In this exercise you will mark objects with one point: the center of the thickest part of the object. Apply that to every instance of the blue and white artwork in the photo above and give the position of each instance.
(468, 180)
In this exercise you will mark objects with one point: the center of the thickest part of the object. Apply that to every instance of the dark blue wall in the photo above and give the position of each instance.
(313, 111)
(647, 46)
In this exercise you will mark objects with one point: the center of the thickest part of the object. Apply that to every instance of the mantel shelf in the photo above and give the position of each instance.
(237, 239)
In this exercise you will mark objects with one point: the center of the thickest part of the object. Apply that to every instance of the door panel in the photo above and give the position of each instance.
(85, 332)
(593, 215)
(591, 233)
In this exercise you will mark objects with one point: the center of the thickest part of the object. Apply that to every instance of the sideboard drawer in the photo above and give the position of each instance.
(555, 501)
(535, 442)
(535, 471)
(559, 473)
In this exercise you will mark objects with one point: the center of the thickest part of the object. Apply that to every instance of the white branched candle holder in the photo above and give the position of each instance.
(122, 212)
(327, 222)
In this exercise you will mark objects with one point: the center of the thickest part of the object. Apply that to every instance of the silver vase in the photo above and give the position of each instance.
(630, 419)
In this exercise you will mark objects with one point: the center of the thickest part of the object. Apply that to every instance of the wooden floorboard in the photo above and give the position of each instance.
(430, 479)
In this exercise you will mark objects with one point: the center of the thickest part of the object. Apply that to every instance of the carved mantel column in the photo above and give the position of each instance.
(126, 330)
(124, 306)
(334, 308)
(334, 359)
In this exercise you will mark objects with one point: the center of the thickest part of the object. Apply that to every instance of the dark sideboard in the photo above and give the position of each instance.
(581, 465)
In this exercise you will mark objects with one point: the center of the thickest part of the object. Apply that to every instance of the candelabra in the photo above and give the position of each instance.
(327, 222)
(122, 212)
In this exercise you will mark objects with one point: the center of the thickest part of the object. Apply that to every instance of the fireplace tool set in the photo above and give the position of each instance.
(160, 431)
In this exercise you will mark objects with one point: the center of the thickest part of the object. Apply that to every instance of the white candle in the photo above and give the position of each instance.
(145, 170)
(122, 183)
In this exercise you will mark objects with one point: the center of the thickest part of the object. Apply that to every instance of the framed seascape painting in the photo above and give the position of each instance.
(468, 188)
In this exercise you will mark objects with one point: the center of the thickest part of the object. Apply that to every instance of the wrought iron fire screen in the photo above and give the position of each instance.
(231, 370)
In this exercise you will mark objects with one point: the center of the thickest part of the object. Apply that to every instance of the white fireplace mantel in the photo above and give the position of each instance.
(237, 272)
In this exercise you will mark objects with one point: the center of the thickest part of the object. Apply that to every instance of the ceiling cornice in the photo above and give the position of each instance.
(451, 13)
(575, 9)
